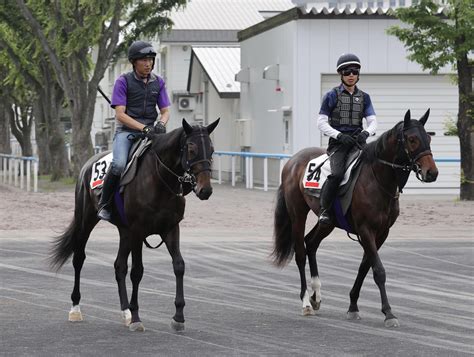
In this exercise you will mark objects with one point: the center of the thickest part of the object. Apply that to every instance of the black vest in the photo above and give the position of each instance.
(142, 98)
(349, 110)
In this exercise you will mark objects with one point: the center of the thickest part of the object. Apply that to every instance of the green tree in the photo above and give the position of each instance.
(27, 70)
(436, 39)
(72, 31)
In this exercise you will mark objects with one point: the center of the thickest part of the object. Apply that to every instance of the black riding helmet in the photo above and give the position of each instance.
(141, 49)
(347, 60)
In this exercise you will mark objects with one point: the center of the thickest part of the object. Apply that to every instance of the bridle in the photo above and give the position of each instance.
(189, 176)
(422, 150)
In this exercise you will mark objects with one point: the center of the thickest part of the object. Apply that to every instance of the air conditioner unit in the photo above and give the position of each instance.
(186, 103)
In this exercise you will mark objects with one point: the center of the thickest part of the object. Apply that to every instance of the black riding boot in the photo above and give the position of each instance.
(110, 184)
(327, 198)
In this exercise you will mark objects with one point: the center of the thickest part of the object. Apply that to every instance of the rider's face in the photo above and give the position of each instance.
(350, 76)
(143, 66)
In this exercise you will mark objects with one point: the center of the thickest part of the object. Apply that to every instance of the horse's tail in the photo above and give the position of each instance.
(283, 247)
(65, 244)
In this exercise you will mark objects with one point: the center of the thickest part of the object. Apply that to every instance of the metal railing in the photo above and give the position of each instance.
(248, 169)
(12, 171)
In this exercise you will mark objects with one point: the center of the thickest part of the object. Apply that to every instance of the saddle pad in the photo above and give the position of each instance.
(99, 169)
(319, 169)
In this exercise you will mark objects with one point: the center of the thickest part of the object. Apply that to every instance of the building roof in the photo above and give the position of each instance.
(225, 14)
(220, 64)
(320, 11)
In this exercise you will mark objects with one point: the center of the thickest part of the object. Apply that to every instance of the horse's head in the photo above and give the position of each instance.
(416, 143)
(197, 156)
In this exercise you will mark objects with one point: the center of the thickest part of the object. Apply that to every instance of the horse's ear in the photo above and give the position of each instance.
(406, 121)
(187, 128)
(424, 118)
(212, 126)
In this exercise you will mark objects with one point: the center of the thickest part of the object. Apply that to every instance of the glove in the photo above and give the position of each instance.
(160, 128)
(362, 137)
(148, 131)
(346, 140)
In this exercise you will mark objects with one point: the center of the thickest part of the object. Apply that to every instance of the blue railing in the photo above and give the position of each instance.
(248, 170)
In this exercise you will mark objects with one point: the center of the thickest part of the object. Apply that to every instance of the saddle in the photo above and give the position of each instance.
(318, 169)
(101, 166)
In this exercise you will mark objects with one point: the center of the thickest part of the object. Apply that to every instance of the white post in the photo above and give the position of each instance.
(251, 172)
(15, 172)
(35, 173)
(10, 170)
(265, 174)
(233, 170)
(219, 164)
(28, 175)
(247, 173)
(22, 174)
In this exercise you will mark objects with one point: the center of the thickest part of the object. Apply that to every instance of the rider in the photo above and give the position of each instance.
(135, 97)
(340, 118)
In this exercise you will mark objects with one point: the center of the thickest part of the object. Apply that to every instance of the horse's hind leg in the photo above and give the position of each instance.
(136, 274)
(121, 269)
(172, 243)
(88, 224)
(313, 240)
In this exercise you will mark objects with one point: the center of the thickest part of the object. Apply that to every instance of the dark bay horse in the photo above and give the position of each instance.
(154, 203)
(387, 163)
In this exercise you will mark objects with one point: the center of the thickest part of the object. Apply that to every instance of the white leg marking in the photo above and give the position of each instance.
(306, 299)
(126, 317)
(75, 314)
(316, 285)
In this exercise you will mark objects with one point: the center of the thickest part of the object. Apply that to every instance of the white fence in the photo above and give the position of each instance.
(12, 171)
(241, 166)
(245, 167)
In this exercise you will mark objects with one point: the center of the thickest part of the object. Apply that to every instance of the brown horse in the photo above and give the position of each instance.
(386, 165)
(153, 203)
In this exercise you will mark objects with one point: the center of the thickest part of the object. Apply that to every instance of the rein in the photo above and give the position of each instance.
(187, 177)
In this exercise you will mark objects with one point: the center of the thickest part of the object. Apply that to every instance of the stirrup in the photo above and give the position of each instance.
(105, 214)
(325, 218)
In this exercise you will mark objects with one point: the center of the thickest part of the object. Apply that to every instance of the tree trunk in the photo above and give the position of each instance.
(5, 147)
(466, 128)
(42, 139)
(50, 102)
(20, 124)
(82, 116)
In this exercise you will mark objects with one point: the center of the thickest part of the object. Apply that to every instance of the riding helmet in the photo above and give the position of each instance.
(140, 49)
(347, 60)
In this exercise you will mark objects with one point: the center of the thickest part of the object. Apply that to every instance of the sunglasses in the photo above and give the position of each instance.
(347, 72)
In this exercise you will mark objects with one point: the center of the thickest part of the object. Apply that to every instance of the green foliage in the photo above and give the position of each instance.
(435, 38)
(450, 127)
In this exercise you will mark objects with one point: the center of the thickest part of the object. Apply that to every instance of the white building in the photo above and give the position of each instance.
(288, 64)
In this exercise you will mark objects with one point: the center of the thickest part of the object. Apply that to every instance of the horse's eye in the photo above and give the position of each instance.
(192, 151)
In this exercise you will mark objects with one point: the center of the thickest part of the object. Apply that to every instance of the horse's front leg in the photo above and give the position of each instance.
(353, 312)
(136, 274)
(379, 277)
(297, 231)
(172, 243)
(121, 269)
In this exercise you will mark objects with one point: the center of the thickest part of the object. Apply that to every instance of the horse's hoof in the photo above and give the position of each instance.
(353, 315)
(75, 314)
(177, 326)
(126, 317)
(308, 311)
(315, 304)
(393, 322)
(136, 326)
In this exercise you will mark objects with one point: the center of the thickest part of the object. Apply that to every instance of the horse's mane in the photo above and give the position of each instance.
(168, 141)
(372, 150)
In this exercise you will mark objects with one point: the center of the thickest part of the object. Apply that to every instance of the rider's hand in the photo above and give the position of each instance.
(148, 131)
(346, 140)
(362, 137)
(160, 128)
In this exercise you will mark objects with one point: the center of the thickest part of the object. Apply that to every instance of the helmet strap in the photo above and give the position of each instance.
(347, 85)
